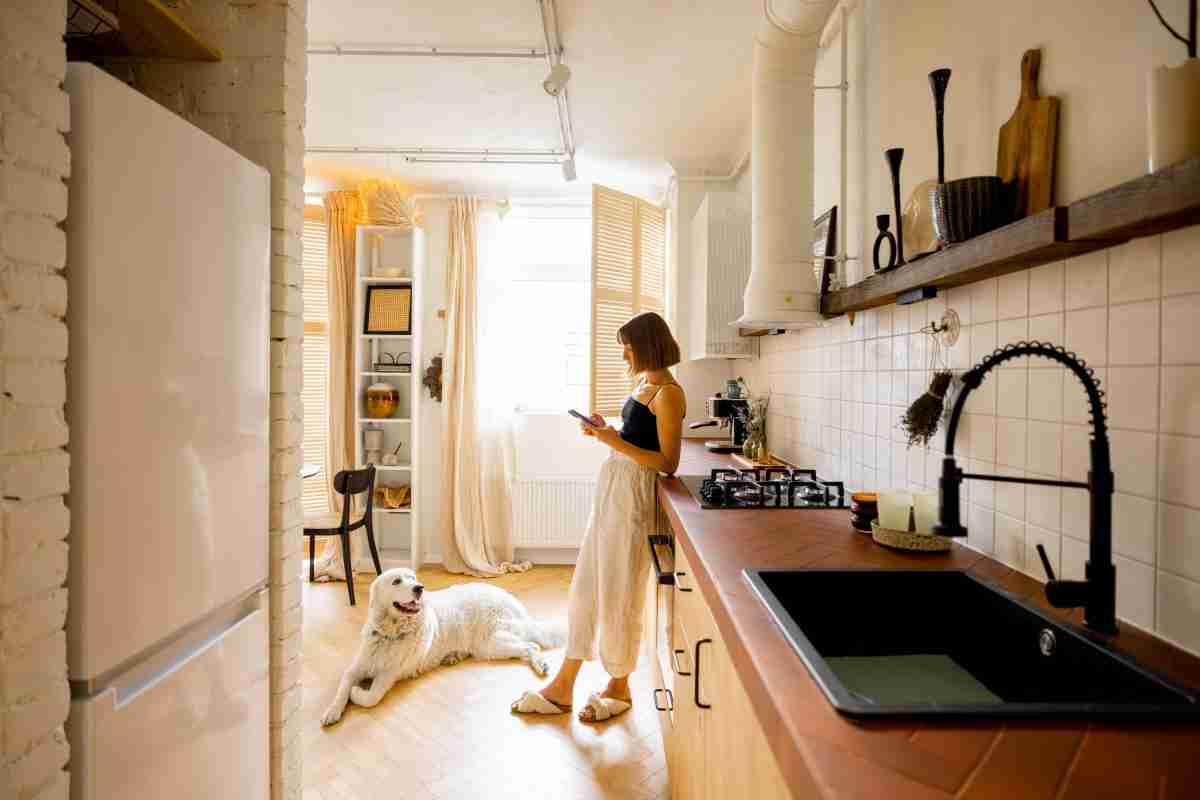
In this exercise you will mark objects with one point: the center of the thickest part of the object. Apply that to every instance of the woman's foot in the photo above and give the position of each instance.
(613, 701)
(557, 693)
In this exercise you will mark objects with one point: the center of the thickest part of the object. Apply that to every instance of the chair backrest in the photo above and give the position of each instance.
(355, 481)
(350, 482)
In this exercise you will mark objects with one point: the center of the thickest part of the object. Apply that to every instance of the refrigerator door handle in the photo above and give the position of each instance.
(171, 658)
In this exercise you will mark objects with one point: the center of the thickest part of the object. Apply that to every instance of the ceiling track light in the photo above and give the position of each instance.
(556, 79)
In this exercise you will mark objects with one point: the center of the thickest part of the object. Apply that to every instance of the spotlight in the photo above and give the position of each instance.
(568, 169)
(557, 79)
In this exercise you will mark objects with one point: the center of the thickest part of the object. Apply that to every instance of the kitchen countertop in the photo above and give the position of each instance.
(894, 759)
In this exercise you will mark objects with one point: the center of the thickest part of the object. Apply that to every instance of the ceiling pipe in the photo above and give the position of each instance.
(385, 150)
(562, 104)
(782, 291)
(422, 51)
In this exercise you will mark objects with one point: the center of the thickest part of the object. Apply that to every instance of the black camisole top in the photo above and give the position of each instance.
(640, 427)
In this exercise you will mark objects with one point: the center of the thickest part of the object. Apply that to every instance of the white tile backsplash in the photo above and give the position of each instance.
(1133, 270)
(1086, 335)
(1181, 329)
(1132, 395)
(1046, 288)
(1087, 280)
(1179, 272)
(1013, 296)
(839, 393)
(1180, 400)
(1133, 333)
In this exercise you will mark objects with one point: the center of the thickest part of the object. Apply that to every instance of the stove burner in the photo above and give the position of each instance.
(767, 487)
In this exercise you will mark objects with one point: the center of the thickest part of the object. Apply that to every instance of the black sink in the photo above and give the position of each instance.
(943, 643)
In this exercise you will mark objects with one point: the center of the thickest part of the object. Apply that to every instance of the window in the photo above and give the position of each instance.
(316, 355)
(628, 277)
(536, 322)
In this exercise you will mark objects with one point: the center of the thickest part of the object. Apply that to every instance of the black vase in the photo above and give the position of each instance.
(883, 222)
(939, 79)
(894, 157)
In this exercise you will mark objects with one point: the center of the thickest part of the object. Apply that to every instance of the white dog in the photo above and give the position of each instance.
(409, 631)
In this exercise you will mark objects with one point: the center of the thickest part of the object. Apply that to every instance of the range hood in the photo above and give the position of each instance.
(782, 292)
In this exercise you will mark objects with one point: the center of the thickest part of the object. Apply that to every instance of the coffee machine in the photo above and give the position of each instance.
(725, 412)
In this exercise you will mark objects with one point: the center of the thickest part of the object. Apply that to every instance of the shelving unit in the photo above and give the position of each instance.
(397, 530)
(1154, 203)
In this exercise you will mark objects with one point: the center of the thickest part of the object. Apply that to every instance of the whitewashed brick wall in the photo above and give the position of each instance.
(253, 100)
(34, 161)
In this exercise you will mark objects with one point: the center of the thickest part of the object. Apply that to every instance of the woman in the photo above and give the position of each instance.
(607, 596)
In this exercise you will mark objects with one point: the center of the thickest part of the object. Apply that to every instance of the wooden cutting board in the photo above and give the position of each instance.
(1025, 157)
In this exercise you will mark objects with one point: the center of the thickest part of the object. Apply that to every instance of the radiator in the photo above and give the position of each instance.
(551, 512)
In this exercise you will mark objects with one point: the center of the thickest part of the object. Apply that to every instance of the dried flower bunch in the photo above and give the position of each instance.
(921, 419)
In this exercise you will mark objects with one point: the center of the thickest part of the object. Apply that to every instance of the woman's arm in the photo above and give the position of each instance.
(669, 408)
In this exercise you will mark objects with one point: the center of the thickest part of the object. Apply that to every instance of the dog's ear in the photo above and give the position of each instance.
(373, 598)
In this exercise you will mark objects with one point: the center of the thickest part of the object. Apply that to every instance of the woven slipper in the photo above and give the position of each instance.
(603, 708)
(534, 703)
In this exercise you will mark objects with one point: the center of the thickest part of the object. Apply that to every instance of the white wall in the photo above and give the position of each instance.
(1133, 311)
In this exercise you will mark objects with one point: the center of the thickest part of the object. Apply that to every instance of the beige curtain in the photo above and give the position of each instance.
(343, 211)
(476, 452)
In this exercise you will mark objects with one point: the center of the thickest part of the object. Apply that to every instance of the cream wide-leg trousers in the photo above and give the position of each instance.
(608, 591)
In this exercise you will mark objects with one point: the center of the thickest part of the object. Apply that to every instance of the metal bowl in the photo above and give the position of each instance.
(968, 207)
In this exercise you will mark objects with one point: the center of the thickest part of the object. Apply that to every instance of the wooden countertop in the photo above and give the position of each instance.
(891, 760)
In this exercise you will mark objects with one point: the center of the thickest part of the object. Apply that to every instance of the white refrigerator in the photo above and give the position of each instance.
(168, 257)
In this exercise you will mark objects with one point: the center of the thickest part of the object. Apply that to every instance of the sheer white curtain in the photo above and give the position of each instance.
(478, 460)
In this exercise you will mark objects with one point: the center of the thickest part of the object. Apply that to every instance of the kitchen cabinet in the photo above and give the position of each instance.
(720, 267)
(716, 749)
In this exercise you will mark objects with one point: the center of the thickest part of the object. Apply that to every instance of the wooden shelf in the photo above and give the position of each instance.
(147, 29)
(1155, 203)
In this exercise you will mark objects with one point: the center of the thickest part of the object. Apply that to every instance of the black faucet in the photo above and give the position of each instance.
(1098, 593)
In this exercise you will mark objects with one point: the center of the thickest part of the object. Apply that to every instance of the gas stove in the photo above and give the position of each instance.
(765, 487)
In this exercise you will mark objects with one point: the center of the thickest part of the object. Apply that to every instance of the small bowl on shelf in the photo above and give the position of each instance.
(968, 207)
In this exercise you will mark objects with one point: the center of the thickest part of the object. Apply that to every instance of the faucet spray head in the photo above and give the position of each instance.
(949, 513)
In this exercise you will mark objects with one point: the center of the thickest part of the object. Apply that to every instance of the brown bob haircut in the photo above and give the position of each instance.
(650, 339)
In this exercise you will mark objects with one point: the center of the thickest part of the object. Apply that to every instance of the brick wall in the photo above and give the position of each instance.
(253, 101)
(34, 161)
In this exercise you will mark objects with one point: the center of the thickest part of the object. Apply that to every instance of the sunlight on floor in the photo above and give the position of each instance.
(449, 734)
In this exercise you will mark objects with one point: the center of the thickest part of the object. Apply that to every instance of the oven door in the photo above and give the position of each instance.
(662, 554)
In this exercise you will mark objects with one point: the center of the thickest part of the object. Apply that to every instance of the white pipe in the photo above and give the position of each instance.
(782, 291)
(384, 150)
(421, 50)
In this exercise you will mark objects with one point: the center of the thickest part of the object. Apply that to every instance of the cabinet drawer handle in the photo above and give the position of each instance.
(664, 577)
(675, 661)
(697, 663)
(670, 706)
(679, 585)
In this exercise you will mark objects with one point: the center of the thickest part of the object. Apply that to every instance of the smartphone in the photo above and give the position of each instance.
(582, 418)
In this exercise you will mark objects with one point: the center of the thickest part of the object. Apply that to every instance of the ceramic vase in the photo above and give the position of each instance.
(382, 400)
(1174, 114)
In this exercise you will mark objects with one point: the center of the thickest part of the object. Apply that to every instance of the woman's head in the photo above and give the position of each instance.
(649, 344)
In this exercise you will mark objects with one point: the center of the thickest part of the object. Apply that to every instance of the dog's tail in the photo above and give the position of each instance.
(549, 633)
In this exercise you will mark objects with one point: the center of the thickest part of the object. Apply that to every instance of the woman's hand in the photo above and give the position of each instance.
(607, 434)
(597, 423)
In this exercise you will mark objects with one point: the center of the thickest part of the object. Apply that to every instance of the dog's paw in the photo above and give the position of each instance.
(358, 696)
(332, 716)
(540, 664)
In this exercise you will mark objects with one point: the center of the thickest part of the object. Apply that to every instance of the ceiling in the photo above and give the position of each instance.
(657, 87)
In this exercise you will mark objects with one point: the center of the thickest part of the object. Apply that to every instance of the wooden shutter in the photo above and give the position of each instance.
(628, 277)
(314, 498)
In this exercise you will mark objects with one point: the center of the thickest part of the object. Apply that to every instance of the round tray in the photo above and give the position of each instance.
(908, 540)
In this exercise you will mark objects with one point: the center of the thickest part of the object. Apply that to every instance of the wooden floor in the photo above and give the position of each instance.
(450, 734)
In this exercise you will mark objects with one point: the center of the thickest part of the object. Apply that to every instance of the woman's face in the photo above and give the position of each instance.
(627, 355)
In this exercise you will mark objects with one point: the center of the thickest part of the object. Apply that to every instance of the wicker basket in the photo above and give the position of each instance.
(908, 540)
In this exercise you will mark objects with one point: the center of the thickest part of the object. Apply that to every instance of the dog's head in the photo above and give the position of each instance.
(397, 592)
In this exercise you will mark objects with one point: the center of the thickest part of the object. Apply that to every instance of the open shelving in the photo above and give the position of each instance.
(1155, 203)
(397, 529)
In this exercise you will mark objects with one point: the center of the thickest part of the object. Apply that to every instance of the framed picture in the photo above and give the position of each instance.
(388, 310)
(825, 247)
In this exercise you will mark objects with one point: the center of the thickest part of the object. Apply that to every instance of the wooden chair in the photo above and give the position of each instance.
(347, 483)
